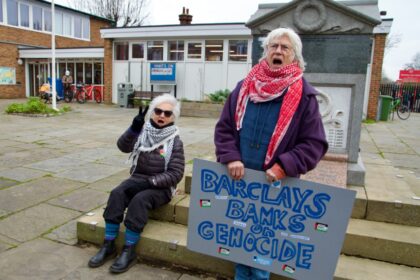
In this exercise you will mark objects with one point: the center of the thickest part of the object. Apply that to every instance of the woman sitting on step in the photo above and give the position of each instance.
(157, 166)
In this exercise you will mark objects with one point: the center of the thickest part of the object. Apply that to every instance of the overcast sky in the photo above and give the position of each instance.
(406, 15)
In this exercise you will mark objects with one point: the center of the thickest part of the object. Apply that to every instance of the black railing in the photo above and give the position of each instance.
(409, 93)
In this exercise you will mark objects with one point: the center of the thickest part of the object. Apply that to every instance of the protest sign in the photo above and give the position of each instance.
(293, 227)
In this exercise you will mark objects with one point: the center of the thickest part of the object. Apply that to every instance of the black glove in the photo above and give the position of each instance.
(138, 120)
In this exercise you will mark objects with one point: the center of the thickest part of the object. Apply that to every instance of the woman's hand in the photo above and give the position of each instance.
(138, 120)
(236, 169)
(275, 173)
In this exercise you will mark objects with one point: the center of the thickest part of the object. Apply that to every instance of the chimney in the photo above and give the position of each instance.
(185, 18)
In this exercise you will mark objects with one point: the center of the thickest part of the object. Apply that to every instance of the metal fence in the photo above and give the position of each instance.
(409, 93)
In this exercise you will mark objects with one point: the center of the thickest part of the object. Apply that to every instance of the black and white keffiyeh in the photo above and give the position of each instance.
(152, 138)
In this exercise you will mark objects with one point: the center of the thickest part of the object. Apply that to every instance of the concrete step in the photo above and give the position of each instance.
(164, 241)
(392, 243)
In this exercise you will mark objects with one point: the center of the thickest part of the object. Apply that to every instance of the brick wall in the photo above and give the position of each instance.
(376, 75)
(108, 71)
(11, 38)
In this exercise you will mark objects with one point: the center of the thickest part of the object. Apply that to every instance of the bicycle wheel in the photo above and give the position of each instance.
(403, 112)
(97, 95)
(68, 96)
(81, 96)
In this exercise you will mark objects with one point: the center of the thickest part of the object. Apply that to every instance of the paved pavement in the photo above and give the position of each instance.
(54, 170)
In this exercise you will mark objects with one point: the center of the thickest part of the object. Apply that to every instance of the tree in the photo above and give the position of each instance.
(122, 12)
(415, 63)
(392, 41)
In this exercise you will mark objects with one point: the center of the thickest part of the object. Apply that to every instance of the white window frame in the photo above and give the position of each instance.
(130, 50)
(187, 58)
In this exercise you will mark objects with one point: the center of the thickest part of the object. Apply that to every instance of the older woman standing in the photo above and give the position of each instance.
(271, 121)
(157, 158)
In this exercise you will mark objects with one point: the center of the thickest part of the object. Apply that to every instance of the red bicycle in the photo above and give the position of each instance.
(84, 92)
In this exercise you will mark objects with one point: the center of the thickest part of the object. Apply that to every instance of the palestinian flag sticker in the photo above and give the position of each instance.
(205, 203)
(288, 269)
(223, 251)
(321, 227)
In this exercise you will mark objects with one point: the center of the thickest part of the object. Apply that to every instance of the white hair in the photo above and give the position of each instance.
(164, 98)
(67, 72)
(294, 39)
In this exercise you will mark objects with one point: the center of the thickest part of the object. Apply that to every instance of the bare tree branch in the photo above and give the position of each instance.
(392, 41)
(122, 12)
(415, 63)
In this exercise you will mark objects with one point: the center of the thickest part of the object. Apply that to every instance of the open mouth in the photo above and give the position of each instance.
(277, 61)
(160, 122)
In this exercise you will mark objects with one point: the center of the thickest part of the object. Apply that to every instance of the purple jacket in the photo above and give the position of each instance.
(302, 147)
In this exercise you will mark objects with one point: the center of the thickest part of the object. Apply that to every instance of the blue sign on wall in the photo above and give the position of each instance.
(293, 228)
(162, 72)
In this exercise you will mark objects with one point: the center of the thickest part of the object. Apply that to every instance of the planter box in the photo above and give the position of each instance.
(201, 109)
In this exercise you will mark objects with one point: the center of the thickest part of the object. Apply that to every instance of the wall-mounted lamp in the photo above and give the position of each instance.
(20, 61)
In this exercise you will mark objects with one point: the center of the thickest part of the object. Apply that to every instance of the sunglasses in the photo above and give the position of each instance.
(159, 112)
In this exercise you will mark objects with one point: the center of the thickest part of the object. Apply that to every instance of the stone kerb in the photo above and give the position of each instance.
(201, 109)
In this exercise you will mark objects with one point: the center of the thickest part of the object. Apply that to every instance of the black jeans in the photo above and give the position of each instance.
(138, 198)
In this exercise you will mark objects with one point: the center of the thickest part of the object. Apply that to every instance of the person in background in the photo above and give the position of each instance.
(157, 166)
(271, 121)
(67, 81)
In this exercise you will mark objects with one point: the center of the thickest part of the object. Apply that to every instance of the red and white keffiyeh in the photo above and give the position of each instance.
(263, 84)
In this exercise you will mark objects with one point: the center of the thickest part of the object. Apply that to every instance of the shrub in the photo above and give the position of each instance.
(219, 96)
(34, 105)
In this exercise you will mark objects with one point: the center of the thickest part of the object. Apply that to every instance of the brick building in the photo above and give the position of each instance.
(25, 46)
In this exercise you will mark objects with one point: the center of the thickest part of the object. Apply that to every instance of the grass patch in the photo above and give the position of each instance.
(34, 105)
(369, 121)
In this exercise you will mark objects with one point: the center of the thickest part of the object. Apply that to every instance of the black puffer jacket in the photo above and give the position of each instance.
(151, 165)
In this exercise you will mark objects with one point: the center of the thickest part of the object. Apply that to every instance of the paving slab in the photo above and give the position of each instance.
(41, 259)
(32, 193)
(22, 174)
(35, 221)
(89, 172)
(56, 164)
(82, 200)
(5, 183)
(109, 183)
(66, 233)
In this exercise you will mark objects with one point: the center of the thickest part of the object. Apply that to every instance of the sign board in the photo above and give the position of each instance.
(410, 75)
(163, 73)
(293, 228)
(7, 76)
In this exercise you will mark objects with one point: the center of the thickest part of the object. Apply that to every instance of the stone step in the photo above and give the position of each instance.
(163, 241)
(393, 243)
(387, 242)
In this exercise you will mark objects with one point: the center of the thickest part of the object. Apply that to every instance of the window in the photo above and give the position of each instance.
(12, 12)
(121, 51)
(37, 17)
(79, 73)
(214, 50)
(59, 23)
(97, 69)
(238, 50)
(66, 25)
(194, 50)
(176, 50)
(88, 73)
(24, 15)
(77, 27)
(155, 50)
(137, 51)
(86, 29)
(47, 21)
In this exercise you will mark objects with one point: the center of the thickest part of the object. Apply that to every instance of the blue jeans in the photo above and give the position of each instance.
(244, 272)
